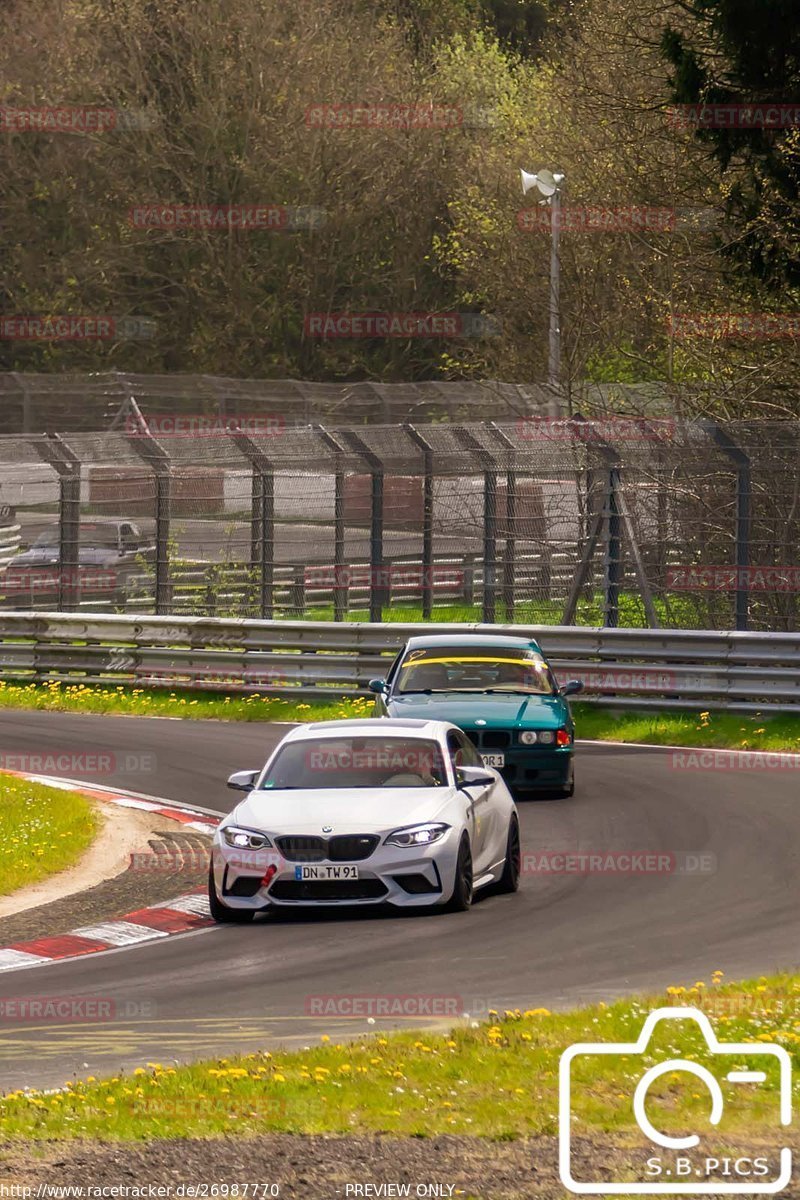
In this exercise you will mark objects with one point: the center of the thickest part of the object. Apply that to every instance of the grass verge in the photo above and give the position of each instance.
(690, 728)
(497, 1079)
(42, 830)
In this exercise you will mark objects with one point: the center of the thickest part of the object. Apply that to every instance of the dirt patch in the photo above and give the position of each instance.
(321, 1168)
(138, 860)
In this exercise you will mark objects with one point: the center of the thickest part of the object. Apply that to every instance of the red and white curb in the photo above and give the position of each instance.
(181, 915)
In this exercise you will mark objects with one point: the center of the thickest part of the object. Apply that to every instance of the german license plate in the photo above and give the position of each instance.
(314, 872)
(494, 760)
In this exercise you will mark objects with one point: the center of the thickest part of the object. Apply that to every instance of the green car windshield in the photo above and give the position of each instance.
(473, 668)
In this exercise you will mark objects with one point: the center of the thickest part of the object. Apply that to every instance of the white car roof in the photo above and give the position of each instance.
(372, 727)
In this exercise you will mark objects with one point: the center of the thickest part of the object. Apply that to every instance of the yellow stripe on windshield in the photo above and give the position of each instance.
(522, 662)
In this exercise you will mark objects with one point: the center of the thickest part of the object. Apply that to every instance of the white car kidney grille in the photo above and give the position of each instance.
(344, 848)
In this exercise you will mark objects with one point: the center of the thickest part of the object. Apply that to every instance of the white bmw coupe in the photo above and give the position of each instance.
(365, 812)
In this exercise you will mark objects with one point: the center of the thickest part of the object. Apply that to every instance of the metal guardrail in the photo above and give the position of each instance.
(631, 668)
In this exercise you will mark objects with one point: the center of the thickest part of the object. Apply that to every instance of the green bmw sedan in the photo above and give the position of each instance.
(501, 691)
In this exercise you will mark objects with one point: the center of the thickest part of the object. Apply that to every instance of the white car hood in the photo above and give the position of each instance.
(347, 810)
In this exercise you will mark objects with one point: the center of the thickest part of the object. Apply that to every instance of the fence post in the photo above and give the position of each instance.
(510, 530)
(612, 559)
(427, 519)
(297, 599)
(378, 576)
(484, 458)
(55, 451)
(744, 509)
(341, 590)
(262, 520)
(155, 456)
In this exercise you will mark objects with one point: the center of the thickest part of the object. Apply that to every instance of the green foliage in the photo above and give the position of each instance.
(747, 52)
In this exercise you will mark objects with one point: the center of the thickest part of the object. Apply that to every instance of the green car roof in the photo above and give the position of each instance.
(500, 640)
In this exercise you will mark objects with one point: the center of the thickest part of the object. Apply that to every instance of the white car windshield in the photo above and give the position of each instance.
(485, 669)
(357, 762)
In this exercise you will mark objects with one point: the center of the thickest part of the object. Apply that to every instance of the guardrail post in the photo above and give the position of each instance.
(155, 456)
(378, 570)
(341, 588)
(471, 443)
(744, 505)
(57, 454)
(262, 520)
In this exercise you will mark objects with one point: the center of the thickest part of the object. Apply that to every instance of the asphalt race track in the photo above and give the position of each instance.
(562, 940)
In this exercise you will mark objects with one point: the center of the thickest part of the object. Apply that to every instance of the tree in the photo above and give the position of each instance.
(747, 52)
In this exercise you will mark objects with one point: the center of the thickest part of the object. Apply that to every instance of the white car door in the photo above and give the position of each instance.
(463, 754)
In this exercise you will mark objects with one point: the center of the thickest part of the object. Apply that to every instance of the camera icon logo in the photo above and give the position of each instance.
(681, 1164)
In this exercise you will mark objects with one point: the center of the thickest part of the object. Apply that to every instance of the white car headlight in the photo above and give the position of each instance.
(528, 737)
(245, 839)
(416, 835)
(545, 737)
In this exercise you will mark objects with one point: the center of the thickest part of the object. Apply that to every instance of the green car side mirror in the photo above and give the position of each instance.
(379, 686)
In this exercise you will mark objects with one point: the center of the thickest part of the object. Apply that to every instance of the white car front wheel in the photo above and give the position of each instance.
(219, 911)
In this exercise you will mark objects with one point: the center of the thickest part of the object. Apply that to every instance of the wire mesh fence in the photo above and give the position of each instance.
(635, 522)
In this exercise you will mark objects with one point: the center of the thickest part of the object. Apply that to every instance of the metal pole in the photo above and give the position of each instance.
(613, 558)
(489, 547)
(163, 514)
(510, 530)
(267, 547)
(53, 450)
(379, 573)
(744, 508)
(554, 353)
(340, 581)
(427, 519)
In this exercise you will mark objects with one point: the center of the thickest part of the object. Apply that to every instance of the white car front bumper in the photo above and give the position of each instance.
(410, 878)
